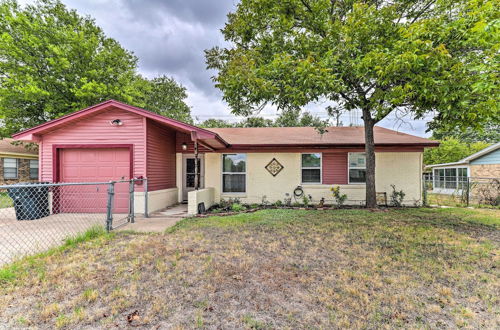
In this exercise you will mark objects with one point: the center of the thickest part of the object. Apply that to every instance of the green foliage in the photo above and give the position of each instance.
(54, 61)
(339, 198)
(451, 150)
(255, 122)
(91, 233)
(164, 96)
(489, 133)
(290, 118)
(278, 203)
(305, 201)
(294, 118)
(397, 197)
(215, 123)
(236, 207)
(373, 55)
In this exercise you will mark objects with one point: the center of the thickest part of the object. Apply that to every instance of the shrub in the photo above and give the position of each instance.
(278, 203)
(339, 198)
(228, 204)
(305, 201)
(397, 197)
(237, 207)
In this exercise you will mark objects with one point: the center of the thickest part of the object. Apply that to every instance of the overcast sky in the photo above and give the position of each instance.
(169, 37)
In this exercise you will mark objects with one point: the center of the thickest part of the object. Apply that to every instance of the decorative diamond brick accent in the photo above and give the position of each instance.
(274, 167)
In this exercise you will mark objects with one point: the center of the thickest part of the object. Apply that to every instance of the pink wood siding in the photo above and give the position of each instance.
(335, 168)
(186, 138)
(160, 157)
(98, 130)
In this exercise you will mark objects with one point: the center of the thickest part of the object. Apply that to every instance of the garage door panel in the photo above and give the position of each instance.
(106, 171)
(122, 158)
(107, 157)
(89, 156)
(94, 165)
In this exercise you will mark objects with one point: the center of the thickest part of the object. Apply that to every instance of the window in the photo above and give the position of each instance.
(234, 173)
(439, 178)
(34, 169)
(10, 168)
(311, 168)
(450, 178)
(357, 167)
(462, 178)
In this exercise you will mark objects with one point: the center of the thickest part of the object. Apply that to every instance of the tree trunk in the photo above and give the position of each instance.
(371, 195)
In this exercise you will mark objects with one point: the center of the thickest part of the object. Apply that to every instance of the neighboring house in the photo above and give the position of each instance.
(17, 162)
(113, 140)
(449, 178)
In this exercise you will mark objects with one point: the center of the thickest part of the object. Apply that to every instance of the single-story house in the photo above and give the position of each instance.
(450, 178)
(18, 162)
(113, 140)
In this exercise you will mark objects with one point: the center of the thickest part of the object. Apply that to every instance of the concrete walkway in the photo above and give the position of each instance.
(158, 221)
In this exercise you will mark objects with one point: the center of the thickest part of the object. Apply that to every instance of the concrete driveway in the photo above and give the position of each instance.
(25, 237)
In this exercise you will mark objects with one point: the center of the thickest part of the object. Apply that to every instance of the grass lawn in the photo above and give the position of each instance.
(272, 269)
(5, 200)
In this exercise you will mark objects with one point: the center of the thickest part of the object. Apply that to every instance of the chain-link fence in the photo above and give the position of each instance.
(453, 190)
(37, 216)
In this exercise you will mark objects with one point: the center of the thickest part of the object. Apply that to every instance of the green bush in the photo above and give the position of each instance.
(339, 198)
(237, 207)
(397, 197)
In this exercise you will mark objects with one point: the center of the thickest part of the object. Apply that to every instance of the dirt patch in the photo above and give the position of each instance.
(270, 269)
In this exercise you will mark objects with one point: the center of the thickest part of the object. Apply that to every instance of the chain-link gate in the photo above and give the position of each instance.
(37, 216)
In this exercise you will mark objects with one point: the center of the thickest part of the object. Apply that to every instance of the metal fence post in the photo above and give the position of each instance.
(131, 200)
(109, 206)
(467, 198)
(146, 213)
(424, 195)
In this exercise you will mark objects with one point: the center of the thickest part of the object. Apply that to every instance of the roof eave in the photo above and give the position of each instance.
(328, 145)
(33, 134)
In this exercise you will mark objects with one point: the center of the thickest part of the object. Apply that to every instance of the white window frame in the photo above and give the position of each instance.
(17, 168)
(37, 169)
(312, 168)
(222, 175)
(434, 177)
(354, 168)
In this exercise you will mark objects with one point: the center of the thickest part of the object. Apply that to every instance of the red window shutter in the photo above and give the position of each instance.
(335, 168)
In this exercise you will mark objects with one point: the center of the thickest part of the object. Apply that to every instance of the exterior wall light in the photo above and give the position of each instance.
(116, 122)
(184, 146)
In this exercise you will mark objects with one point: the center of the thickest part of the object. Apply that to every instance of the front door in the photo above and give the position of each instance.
(189, 174)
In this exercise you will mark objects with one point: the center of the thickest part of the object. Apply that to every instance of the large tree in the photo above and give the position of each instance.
(451, 150)
(377, 56)
(165, 96)
(490, 133)
(54, 61)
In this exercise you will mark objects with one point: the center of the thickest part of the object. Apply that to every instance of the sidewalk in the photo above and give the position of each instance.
(159, 221)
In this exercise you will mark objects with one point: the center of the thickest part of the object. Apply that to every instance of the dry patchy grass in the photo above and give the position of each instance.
(276, 268)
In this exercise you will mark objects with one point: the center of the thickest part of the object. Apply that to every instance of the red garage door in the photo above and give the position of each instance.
(94, 165)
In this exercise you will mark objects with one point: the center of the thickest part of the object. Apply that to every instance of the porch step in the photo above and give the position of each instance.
(176, 211)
